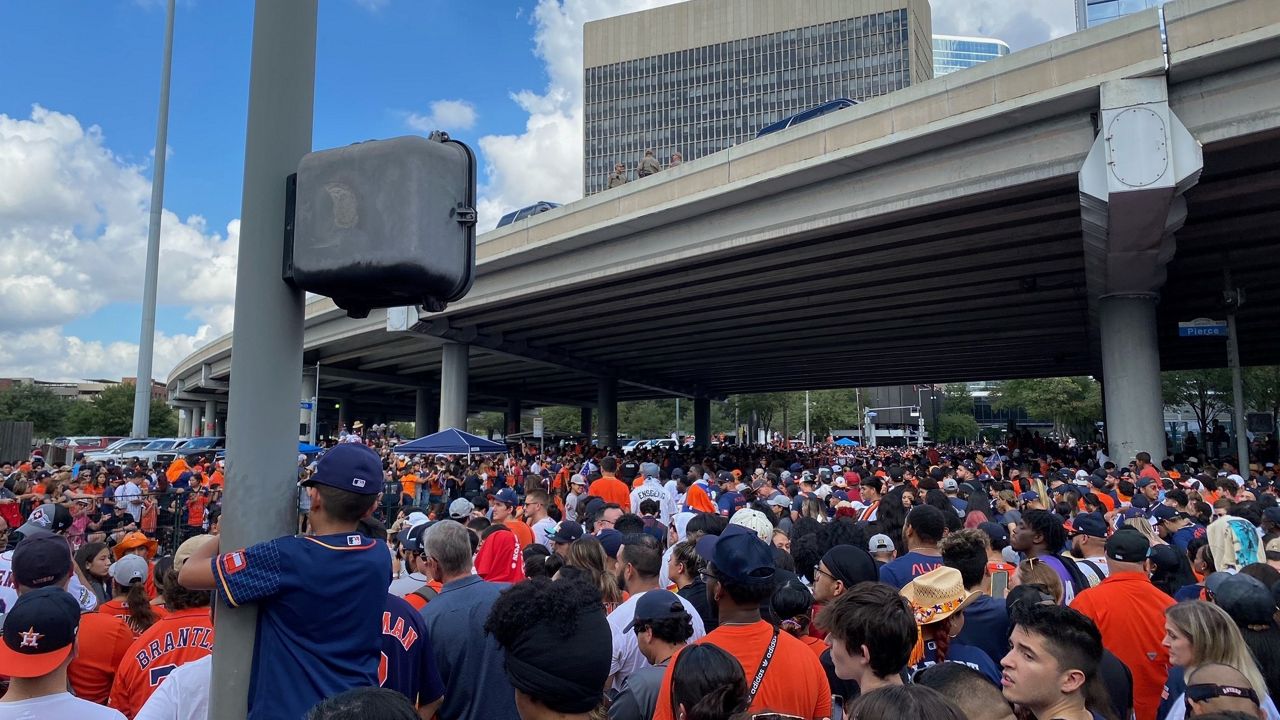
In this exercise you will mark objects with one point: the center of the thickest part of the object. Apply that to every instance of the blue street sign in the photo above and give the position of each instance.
(1203, 327)
(304, 405)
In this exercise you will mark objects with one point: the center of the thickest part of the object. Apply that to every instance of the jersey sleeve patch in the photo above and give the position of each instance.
(249, 575)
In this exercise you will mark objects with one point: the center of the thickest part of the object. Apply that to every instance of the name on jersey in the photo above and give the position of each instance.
(404, 634)
(194, 637)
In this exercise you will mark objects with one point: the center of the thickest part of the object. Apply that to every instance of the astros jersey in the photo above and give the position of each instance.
(408, 664)
(320, 603)
(179, 638)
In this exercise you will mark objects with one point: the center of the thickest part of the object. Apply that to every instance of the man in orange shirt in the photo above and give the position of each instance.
(176, 468)
(609, 488)
(185, 634)
(1129, 611)
(504, 504)
(409, 486)
(787, 674)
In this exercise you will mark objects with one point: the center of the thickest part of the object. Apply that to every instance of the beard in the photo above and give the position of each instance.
(1076, 552)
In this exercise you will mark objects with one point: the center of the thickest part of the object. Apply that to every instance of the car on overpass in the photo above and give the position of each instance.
(807, 115)
(527, 212)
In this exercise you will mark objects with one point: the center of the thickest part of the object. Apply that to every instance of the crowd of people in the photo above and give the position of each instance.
(1026, 581)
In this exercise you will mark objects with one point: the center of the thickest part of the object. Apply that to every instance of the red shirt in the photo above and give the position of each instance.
(1129, 612)
(103, 642)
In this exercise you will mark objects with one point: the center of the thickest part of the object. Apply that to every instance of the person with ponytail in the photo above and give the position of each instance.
(938, 599)
(707, 683)
(130, 602)
(792, 608)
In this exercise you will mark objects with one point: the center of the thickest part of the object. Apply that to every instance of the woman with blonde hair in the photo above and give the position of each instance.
(1198, 633)
(1033, 571)
(1143, 526)
(587, 554)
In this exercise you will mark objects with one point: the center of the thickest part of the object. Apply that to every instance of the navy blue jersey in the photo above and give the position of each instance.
(320, 603)
(408, 664)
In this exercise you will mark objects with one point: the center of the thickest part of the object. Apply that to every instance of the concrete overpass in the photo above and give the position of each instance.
(936, 234)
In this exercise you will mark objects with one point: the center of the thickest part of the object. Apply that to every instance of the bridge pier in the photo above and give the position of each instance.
(197, 421)
(512, 423)
(702, 422)
(210, 418)
(586, 423)
(426, 414)
(454, 366)
(184, 422)
(1131, 364)
(608, 407)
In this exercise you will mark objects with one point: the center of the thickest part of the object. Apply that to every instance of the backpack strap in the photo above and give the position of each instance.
(426, 592)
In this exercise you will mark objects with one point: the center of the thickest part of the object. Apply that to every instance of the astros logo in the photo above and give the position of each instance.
(30, 638)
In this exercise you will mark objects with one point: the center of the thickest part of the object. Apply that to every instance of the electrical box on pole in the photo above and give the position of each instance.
(384, 223)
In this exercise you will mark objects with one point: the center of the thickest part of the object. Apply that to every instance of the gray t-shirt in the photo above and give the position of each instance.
(639, 695)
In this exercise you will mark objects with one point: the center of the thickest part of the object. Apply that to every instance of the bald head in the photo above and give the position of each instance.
(1222, 676)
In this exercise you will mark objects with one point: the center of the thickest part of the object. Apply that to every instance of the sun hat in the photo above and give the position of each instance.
(937, 595)
(133, 541)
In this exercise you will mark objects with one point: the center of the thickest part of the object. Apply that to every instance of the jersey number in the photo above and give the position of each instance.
(382, 670)
(159, 673)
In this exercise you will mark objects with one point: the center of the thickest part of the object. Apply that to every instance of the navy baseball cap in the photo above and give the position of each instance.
(351, 467)
(1143, 482)
(414, 538)
(565, 531)
(1091, 524)
(611, 540)
(1128, 545)
(39, 632)
(739, 555)
(1029, 496)
(656, 605)
(506, 496)
(41, 560)
(997, 532)
(1163, 512)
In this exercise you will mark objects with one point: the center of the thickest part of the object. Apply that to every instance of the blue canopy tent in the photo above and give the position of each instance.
(308, 448)
(847, 442)
(451, 442)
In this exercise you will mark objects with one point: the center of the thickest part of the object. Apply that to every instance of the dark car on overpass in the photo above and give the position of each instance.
(813, 112)
(527, 212)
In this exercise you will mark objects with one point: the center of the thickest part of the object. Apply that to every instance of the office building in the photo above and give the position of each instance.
(1095, 12)
(701, 76)
(954, 52)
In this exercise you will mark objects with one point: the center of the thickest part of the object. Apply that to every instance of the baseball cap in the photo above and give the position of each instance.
(611, 540)
(351, 467)
(578, 479)
(1163, 512)
(780, 500)
(412, 538)
(39, 632)
(1272, 549)
(50, 517)
(840, 482)
(1091, 524)
(880, 543)
(1029, 496)
(1143, 482)
(1246, 599)
(649, 469)
(629, 470)
(950, 484)
(460, 509)
(507, 497)
(739, 555)
(656, 605)
(997, 532)
(1127, 545)
(41, 560)
(565, 531)
(1272, 514)
(754, 520)
(129, 569)
(416, 518)
(188, 548)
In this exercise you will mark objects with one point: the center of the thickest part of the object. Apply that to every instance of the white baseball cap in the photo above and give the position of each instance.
(880, 543)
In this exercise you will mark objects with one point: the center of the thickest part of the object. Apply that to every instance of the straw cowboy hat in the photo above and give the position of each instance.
(937, 595)
(133, 541)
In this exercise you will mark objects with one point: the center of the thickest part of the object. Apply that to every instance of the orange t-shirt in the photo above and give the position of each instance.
(181, 637)
(175, 469)
(216, 479)
(409, 485)
(612, 490)
(1129, 612)
(816, 644)
(523, 533)
(116, 608)
(103, 642)
(794, 684)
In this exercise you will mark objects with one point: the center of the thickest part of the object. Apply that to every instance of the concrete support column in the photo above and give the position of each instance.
(454, 364)
(210, 418)
(308, 396)
(702, 422)
(608, 407)
(512, 423)
(425, 417)
(344, 416)
(585, 427)
(1131, 364)
(221, 428)
(184, 422)
(197, 421)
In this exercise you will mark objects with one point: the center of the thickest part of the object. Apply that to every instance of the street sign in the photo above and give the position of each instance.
(537, 427)
(1203, 327)
(304, 405)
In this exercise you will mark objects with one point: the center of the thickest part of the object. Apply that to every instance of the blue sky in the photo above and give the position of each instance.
(78, 109)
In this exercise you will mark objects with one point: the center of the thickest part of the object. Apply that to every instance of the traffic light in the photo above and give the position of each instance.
(384, 223)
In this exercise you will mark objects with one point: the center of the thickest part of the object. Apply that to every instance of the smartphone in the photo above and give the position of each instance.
(837, 707)
(999, 583)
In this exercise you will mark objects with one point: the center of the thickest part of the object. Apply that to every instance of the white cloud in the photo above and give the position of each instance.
(73, 229)
(1021, 23)
(545, 161)
(444, 115)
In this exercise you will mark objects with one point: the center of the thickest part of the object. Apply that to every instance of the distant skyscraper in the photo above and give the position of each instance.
(953, 52)
(1096, 12)
(701, 76)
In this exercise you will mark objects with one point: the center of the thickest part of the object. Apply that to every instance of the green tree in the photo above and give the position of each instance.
(487, 424)
(957, 400)
(951, 427)
(35, 404)
(111, 413)
(1071, 403)
(1262, 388)
(561, 419)
(1205, 392)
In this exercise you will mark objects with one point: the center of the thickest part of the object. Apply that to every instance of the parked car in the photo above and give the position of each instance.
(633, 445)
(148, 452)
(811, 113)
(192, 448)
(526, 212)
(80, 444)
(115, 450)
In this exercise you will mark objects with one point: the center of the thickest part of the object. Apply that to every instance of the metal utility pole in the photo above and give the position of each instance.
(808, 439)
(261, 500)
(151, 276)
(1235, 298)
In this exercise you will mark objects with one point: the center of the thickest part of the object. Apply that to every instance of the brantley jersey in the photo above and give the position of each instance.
(408, 664)
(179, 638)
(320, 602)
